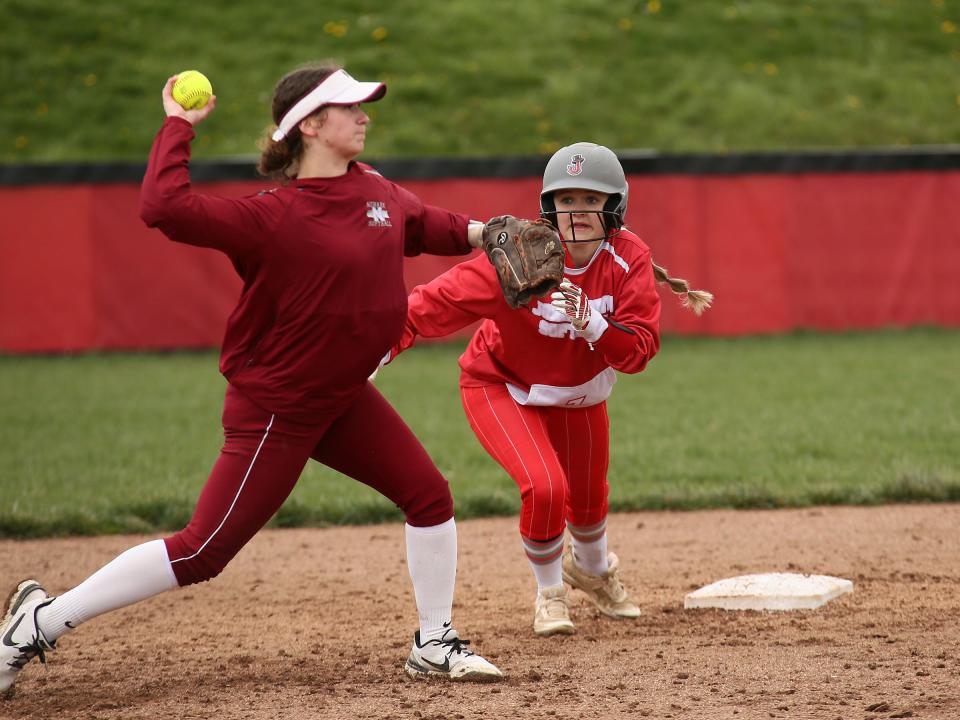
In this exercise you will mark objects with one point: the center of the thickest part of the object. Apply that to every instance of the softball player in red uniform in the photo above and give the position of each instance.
(535, 380)
(321, 257)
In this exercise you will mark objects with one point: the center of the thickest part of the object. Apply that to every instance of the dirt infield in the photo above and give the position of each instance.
(317, 623)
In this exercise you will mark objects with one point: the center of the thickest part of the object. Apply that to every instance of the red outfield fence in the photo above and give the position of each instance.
(820, 241)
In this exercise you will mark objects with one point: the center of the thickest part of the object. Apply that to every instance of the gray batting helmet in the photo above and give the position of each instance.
(591, 167)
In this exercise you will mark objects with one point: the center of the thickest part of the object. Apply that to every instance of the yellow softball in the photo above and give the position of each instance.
(192, 90)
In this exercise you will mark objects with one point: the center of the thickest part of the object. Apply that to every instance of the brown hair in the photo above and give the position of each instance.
(696, 300)
(280, 159)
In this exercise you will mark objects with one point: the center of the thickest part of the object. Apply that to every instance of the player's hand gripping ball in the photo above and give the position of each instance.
(192, 90)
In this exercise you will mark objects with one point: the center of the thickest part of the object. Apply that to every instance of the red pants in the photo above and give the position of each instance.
(263, 456)
(558, 457)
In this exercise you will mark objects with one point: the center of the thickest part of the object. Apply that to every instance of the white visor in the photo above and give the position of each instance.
(338, 89)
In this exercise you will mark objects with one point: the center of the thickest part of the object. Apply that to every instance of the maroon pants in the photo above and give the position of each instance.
(263, 456)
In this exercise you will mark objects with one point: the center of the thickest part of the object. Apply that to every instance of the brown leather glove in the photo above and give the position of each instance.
(527, 254)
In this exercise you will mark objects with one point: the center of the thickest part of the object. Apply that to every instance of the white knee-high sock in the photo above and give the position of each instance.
(591, 556)
(432, 560)
(137, 574)
(545, 560)
(548, 574)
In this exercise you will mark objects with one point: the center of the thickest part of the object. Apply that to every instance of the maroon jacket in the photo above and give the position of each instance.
(321, 259)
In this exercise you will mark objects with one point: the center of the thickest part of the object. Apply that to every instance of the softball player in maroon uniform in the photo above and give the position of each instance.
(323, 298)
(535, 380)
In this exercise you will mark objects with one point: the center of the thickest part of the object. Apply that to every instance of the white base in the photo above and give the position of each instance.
(770, 591)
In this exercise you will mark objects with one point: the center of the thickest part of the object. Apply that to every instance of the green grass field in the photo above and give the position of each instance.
(123, 442)
(82, 79)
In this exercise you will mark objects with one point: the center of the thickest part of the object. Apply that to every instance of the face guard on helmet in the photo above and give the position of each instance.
(586, 166)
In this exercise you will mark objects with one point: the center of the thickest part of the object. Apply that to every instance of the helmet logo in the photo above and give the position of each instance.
(576, 165)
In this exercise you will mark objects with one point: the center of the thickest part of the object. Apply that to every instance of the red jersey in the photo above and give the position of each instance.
(534, 349)
(322, 266)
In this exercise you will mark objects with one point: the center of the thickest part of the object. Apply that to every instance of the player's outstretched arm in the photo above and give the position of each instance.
(167, 201)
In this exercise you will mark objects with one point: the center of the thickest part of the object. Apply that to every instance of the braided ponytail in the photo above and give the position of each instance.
(695, 300)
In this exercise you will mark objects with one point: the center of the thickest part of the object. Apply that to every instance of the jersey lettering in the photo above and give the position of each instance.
(555, 324)
(378, 214)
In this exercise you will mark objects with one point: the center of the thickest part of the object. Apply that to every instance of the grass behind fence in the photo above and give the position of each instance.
(123, 442)
(82, 79)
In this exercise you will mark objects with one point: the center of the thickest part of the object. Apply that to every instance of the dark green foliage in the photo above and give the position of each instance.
(82, 79)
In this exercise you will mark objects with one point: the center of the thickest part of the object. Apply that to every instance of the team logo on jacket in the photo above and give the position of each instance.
(576, 165)
(377, 212)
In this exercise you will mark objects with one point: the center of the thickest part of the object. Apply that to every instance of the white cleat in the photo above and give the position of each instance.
(552, 616)
(605, 591)
(20, 638)
(449, 659)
